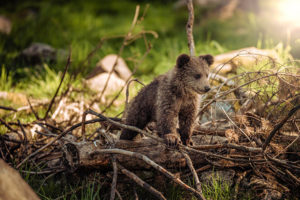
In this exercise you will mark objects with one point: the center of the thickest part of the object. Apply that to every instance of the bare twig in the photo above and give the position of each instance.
(191, 166)
(237, 184)
(25, 140)
(115, 177)
(57, 138)
(235, 125)
(61, 81)
(141, 183)
(278, 126)
(8, 108)
(10, 128)
(33, 111)
(83, 125)
(189, 27)
(127, 81)
(232, 90)
(121, 49)
(153, 164)
(127, 90)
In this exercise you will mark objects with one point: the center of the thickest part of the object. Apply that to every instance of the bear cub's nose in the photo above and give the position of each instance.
(206, 88)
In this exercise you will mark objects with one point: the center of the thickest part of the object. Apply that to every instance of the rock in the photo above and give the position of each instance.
(38, 53)
(221, 176)
(12, 186)
(97, 83)
(106, 65)
(5, 25)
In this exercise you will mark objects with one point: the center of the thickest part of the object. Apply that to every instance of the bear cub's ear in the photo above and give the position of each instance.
(208, 58)
(182, 60)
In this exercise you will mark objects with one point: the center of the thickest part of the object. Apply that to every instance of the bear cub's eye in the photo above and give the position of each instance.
(197, 76)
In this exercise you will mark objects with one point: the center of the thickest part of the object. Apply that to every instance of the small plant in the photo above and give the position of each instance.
(217, 189)
(5, 80)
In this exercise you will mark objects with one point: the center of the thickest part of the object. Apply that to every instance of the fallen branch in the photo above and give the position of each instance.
(153, 164)
(61, 81)
(142, 183)
(115, 177)
(195, 175)
(189, 27)
(278, 126)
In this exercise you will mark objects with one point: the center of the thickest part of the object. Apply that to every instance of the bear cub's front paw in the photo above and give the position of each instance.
(188, 142)
(172, 139)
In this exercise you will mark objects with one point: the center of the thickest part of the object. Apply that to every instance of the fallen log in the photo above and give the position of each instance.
(86, 154)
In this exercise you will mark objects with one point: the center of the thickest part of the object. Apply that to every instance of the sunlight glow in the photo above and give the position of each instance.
(290, 11)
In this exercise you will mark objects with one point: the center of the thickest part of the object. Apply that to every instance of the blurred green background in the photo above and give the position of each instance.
(220, 26)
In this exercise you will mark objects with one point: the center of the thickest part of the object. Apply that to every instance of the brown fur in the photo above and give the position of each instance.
(171, 99)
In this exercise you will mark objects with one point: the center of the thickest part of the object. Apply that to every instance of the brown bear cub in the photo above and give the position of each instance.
(171, 99)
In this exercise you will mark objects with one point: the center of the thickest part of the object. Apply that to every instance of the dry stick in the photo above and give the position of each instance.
(127, 90)
(127, 82)
(237, 184)
(2, 137)
(189, 27)
(190, 164)
(235, 125)
(232, 90)
(278, 126)
(151, 163)
(115, 176)
(142, 183)
(10, 128)
(8, 108)
(83, 125)
(57, 138)
(296, 179)
(119, 195)
(293, 142)
(33, 111)
(25, 140)
(61, 81)
(137, 10)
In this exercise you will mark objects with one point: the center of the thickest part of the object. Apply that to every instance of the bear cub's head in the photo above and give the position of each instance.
(194, 72)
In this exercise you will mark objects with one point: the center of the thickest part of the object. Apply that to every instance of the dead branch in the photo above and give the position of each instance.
(278, 126)
(128, 35)
(61, 81)
(142, 183)
(115, 177)
(232, 90)
(195, 175)
(8, 108)
(32, 109)
(153, 164)
(189, 27)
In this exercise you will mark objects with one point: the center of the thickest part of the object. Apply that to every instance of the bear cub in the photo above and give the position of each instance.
(171, 100)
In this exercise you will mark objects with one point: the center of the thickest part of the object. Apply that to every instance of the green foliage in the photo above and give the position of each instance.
(43, 84)
(5, 80)
(218, 189)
